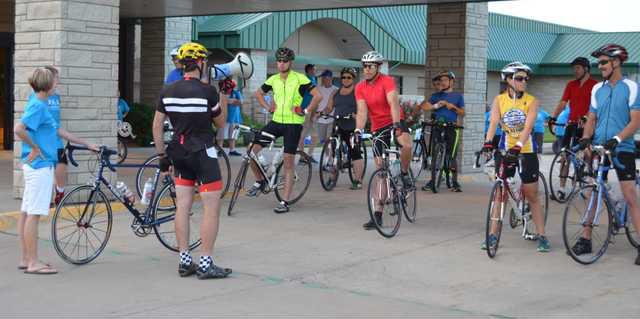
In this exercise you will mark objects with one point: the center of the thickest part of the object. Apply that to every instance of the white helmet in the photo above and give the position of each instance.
(372, 57)
(174, 51)
(514, 67)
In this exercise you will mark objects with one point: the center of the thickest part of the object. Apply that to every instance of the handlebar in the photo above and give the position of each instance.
(245, 128)
(337, 117)
(442, 124)
(104, 154)
(613, 161)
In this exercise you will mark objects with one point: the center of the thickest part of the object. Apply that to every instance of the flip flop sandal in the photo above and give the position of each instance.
(39, 271)
(25, 267)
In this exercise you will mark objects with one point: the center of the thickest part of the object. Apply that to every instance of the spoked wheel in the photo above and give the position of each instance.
(329, 161)
(238, 184)
(164, 219)
(384, 208)
(301, 178)
(580, 217)
(495, 213)
(630, 230)
(418, 160)
(408, 201)
(363, 151)
(147, 171)
(81, 225)
(562, 177)
(436, 166)
(122, 151)
(225, 170)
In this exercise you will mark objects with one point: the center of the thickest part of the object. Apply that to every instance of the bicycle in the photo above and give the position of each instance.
(124, 131)
(440, 160)
(86, 211)
(151, 165)
(271, 173)
(508, 191)
(335, 157)
(386, 189)
(569, 166)
(584, 209)
(420, 150)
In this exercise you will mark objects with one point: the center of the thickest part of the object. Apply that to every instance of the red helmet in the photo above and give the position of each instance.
(613, 51)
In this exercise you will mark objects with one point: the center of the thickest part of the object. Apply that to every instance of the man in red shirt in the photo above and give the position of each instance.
(578, 94)
(377, 96)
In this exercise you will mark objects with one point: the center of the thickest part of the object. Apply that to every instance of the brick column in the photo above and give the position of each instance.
(250, 105)
(177, 32)
(457, 40)
(80, 38)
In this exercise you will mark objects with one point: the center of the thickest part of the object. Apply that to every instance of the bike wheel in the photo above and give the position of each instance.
(352, 177)
(408, 201)
(164, 220)
(436, 167)
(494, 223)
(122, 151)
(561, 193)
(329, 170)
(238, 185)
(417, 159)
(580, 211)
(630, 230)
(301, 179)
(81, 225)
(382, 200)
(146, 171)
(225, 170)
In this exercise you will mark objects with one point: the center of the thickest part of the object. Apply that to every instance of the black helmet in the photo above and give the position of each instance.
(582, 61)
(285, 54)
(349, 70)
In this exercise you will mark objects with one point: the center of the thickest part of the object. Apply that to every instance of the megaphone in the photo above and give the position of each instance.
(241, 66)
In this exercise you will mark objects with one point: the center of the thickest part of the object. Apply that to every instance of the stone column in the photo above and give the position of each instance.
(457, 40)
(250, 106)
(177, 32)
(80, 38)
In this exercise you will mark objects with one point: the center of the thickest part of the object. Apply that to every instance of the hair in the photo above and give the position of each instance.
(308, 67)
(53, 70)
(41, 80)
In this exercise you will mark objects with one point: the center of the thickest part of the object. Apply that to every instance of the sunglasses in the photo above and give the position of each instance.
(282, 61)
(347, 78)
(369, 66)
(522, 78)
(603, 62)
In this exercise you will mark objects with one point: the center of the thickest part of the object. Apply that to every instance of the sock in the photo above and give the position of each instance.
(185, 258)
(205, 263)
(59, 189)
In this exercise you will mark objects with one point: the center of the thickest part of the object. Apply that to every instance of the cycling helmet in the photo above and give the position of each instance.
(449, 74)
(514, 67)
(285, 54)
(351, 71)
(372, 57)
(613, 51)
(581, 61)
(192, 51)
(174, 51)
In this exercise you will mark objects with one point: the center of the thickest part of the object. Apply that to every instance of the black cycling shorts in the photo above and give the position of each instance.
(529, 169)
(628, 160)
(355, 152)
(384, 140)
(290, 133)
(62, 156)
(572, 133)
(191, 167)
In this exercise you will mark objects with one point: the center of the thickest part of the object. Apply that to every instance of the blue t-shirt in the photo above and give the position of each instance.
(307, 97)
(613, 107)
(542, 117)
(487, 122)
(54, 109)
(443, 113)
(562, 119)
(175, 75)
(123, 108)
(43, 131)
(234, 113)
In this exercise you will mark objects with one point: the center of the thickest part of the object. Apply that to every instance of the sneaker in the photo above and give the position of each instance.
(213, 272)
(234, 153)
(256, 189)
(492, 242)
(282, 208)
(407, 181)
(456, 187)
(370, 224)
(187, 270)
(427, 186)
(58, 198)
(448, 180)
(543, 244)
(355, 186)
(582, 246)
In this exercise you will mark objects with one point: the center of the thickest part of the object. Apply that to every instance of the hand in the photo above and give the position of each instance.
(584, 143)
(298, 110)
(357, 136)
(611, 144)
(487, 147)
(398, 128)
(35, 152)
(272, 109)
(448, 105)
(552, 121)
(164, 164)
(512, 153)
(93, 147)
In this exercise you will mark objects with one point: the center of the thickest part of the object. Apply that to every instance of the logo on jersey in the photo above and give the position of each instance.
(514, 120)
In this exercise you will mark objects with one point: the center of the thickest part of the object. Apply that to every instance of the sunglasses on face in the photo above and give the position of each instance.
(283, 61)
(347, 78)
(603, 62)
(522, 78)
(369, 66)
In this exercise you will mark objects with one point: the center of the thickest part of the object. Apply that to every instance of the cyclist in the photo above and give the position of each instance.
(377, 96)
(516, 111)
(344, 103)
(191, 107)
(447, 106)
(614, 116)
(177, 73)
(288, 88)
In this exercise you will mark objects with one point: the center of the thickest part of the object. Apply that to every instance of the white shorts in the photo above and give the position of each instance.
(38, 185)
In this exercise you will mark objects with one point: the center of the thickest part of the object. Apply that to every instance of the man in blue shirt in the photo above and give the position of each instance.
(614, 115)
(560, 128)
(538, 130)
(123, 108)
(177, 73)
(447, 106)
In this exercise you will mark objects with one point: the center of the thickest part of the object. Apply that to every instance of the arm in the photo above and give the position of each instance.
(317, 97)
(426, 106)
(532, 114)
(220, 119)
(559, 108)
(392, 99)
(158, 131)
(329, 108)
(21, 131)
(590, 125)
(494, 118)
(451, 106)
(361, 114)
(74, 139)
(632, 127)
(259, 94)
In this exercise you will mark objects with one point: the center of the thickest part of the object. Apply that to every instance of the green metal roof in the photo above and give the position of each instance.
(569, 46)
(507, 45)
(320, 61)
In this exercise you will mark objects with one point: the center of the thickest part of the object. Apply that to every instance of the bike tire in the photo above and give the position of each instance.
(554, 177)
(302, 170)
(394, 215)
(437, 161)
(168, 216)
(238, 185)
(329, 170)
(497, 187)
(363, 150)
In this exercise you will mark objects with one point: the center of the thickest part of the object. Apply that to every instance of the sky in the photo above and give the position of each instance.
(596, 15)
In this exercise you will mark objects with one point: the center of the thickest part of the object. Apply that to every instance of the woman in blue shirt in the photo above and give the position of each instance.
(234, 115)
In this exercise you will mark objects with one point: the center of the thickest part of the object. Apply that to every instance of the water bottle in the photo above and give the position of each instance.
(262, 160)
(126, 194)
(147, 192)
(395, 167)
(307, 140)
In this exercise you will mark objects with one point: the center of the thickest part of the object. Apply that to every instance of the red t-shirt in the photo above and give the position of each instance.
(375, 95)
(579, 98)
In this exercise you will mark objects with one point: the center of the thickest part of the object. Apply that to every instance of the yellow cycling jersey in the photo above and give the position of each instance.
(513, 116)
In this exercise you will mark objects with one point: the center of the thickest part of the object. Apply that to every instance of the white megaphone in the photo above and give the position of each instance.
(241, 66)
